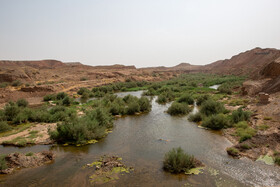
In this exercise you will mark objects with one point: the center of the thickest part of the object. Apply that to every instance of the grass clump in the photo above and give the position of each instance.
(29, 154)
(178, 109)
(263, 127)
(240, 115)
(216, 122)
(233, 151)
(4, 84)
(177, 161)
(3, 162)
(244, 131)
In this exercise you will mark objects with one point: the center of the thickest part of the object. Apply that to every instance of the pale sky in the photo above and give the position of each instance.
(136, 32)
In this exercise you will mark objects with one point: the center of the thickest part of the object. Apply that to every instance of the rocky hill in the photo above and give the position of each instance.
(247, 63)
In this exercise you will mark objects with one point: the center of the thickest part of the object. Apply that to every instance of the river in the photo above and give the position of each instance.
(142, 142)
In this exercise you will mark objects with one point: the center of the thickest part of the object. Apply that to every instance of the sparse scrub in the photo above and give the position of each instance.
(16, 83)
(201, 98)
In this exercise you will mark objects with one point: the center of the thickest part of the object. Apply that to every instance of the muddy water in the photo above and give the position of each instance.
(142, 141)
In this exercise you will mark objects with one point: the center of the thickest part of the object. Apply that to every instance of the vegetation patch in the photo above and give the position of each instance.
(178, 109)
(233, 152)
(266, 159)
(108, 169)
(216, 122)
(177, 161)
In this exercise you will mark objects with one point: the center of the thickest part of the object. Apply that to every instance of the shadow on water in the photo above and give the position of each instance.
(142, 141)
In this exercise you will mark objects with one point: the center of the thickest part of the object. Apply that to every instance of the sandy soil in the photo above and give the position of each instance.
(42, 136)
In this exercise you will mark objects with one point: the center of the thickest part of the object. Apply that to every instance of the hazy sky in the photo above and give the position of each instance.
(136, 32)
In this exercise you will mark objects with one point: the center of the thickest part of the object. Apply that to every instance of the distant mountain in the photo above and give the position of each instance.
(49, 64)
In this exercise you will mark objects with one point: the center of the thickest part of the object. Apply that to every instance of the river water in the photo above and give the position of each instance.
(142, 142)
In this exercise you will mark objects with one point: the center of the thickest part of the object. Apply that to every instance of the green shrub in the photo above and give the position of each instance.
(178, 109)
(83, 90)
(61, 95)
(210, 107)
(197, 117)
(132, 108)
(49, 97)
(216, 122)
(2, 116)
(117, 109)
(16, 83)
(11, 110)
(29, 154)
(277, 160)
(177, 161)
(4, 84)
(79, 130)
(4, 126)
(66, 101)
(144, 104)
(3, 162)
(224, 88)
(245, 146)
(83, 79)
(245, 134)
(162, 99)
(242, 124)
(186, 99)
(233, 151)
(22, 103)
(201, 98)
(240, 115)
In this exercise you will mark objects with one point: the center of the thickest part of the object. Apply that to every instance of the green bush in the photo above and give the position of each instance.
(210, 107)
(197, 117)
(11, 110)
(61, 95)
(178, 109)
(144, 104)
(66, 101)
(201, 98)
(216, 122)
(132, 108)
(245, 134)
(16, 83)
(4, 126)
(117, 109)
(277, 160)
(242, 124)
(240, 115)
(29, 154)
(22, 103)
(83, 90)
(4, 84)
(3, 162)
(80, 130)
(49, 97)
(2, 116)
(224, 88)
(162, 99)
(186, 99)
(177, 161)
